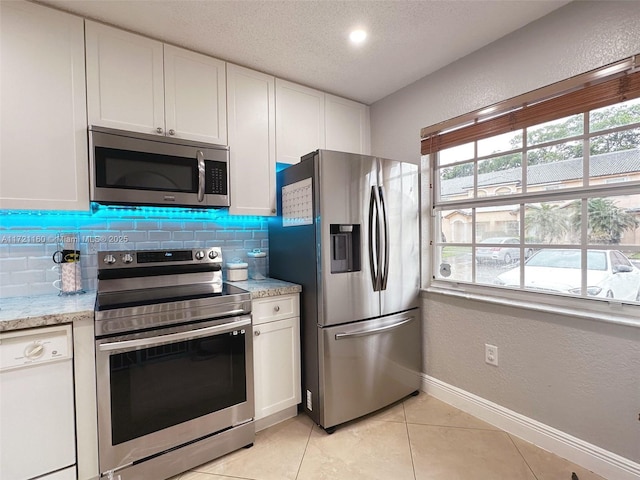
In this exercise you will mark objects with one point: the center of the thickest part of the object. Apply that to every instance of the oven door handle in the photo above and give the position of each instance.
(174, 337)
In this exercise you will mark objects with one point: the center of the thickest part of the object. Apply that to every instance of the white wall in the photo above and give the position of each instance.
(577, 38)
(577, 375)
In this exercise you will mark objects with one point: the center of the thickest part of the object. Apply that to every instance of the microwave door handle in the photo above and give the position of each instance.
(201, 175)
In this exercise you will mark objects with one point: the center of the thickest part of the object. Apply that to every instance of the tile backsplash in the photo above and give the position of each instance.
(28, 241)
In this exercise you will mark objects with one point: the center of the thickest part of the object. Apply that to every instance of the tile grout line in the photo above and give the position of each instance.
(437, 425)
(221, 475)
(305, 450)
(209, 474)
(406, 426)
(523, 457)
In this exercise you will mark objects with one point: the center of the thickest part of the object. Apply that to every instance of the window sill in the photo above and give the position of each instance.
(609, 312)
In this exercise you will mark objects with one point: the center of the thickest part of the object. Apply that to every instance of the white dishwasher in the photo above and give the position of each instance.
(36, 404)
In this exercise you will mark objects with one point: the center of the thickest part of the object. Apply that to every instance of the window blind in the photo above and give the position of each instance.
(532, 112)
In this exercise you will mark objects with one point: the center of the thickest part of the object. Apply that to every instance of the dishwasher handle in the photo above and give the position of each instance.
(373, 331)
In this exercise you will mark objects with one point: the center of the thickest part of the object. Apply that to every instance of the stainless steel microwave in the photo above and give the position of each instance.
(130, 168)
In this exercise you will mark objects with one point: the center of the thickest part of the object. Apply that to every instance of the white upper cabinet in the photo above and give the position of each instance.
(125, 84)
(138, 84)
(251, 126)
(43, 140)
(346, 125)
(308, 119)
(299, 121)
(195, 96)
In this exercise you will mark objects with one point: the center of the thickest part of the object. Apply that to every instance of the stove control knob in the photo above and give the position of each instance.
(213, 254)
(199, 255)
(109, 259)
(127, 258)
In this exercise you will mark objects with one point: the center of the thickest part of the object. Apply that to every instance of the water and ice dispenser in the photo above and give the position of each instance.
(345, 247)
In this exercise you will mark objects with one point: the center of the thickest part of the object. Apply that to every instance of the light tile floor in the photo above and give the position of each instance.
(420, 438)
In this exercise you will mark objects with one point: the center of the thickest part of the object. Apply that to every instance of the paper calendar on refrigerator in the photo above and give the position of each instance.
(297, 203)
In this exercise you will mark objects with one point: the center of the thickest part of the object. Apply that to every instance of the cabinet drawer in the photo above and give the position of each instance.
(275, 308)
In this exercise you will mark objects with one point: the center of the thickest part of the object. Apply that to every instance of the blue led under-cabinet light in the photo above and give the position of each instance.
(56, 218)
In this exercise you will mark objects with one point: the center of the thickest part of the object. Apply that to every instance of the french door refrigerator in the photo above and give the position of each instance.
(347, 231)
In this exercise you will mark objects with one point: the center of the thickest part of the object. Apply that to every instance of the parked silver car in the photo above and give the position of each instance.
(498, 253)
(610, 273)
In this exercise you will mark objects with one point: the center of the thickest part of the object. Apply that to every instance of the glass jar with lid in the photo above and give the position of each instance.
(257, 264)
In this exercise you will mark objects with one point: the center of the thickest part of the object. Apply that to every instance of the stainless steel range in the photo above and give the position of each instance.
(174, 362)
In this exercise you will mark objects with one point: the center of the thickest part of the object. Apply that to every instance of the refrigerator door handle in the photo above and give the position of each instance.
(362, 333)
(384, 274)
(374, 226)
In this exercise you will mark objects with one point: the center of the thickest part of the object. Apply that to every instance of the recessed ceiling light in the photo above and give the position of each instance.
(358, 36)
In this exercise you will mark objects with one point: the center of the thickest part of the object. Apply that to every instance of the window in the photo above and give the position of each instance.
(544, 198)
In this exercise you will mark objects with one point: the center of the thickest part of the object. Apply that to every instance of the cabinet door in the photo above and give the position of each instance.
(347, 125)
(125, 85)
(276, 357)
(251, 114)
(43, 140)
(195, 96)
(299, 121)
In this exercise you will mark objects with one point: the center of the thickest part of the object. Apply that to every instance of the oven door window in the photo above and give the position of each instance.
(145, 171)
(161, 386)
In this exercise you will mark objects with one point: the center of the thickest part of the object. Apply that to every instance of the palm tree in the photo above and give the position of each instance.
(607, 222)
(546, 223)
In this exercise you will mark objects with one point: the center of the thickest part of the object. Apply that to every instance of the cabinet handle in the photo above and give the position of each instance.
(257, 333)
(276, 308)
(172, 132)
(159, 130)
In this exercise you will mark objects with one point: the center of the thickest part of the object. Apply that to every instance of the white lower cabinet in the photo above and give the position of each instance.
(276, 354)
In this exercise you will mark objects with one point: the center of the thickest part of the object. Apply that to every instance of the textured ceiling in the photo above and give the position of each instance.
(306, 41)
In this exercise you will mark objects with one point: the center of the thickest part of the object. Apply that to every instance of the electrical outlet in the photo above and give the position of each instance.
(491, 354)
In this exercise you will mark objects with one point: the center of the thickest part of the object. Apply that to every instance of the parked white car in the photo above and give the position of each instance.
(610, 274)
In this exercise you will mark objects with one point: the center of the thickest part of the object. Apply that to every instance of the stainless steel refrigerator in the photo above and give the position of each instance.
(347, 231)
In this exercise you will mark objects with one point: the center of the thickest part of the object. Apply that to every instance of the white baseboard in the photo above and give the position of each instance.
(593, 458)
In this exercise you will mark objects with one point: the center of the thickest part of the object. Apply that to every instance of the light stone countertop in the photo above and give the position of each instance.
(42, 310)
(269, 287)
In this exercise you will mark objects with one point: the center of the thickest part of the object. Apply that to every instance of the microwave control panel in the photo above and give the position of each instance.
(216, 178)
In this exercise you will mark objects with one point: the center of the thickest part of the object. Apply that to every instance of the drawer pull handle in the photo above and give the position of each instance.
(257, 333)
(276, 308)
(362, 333)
